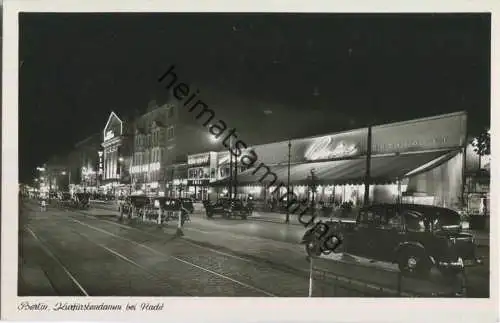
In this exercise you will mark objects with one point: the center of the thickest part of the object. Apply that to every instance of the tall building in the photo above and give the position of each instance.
(163, 138)
(87, 167)
(114, 158)
(55, 174)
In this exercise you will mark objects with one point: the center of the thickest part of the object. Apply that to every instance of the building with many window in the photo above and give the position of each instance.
(87, 163)
(115, 156)
(164, 136)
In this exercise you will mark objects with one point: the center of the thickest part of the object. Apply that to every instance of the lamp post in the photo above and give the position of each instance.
(313, 186)
(178, 231)
(120, 170)
(230, 168)
(288, 184)
(367, 180)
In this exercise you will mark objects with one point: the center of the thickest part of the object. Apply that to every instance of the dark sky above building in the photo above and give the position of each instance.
(329, 71)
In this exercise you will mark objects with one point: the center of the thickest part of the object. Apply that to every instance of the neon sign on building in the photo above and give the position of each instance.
(109, 135)
(323, 148)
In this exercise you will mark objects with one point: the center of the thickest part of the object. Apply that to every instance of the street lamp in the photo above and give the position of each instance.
(313, 185)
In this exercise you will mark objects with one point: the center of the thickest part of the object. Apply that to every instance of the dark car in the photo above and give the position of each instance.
(187, 203)
(416, 237)
(135, 204)
(227, 208)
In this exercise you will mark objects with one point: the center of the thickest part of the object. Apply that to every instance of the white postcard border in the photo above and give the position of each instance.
(230, 309)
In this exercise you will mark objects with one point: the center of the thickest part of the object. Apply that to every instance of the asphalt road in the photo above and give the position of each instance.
(63, 252)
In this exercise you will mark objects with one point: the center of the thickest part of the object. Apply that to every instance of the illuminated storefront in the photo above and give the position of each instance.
(202, 170)
(113, 159)
(418, 161)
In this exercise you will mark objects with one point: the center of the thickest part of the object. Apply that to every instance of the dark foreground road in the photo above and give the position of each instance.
(70, 253)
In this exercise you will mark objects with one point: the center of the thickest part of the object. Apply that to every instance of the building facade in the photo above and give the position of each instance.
(114, 157)
(164, 136)
(418, 161)
(55, 174)
(154, 132)
(87, 166)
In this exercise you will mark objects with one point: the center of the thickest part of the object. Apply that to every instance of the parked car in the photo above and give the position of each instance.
(416, 237)
(227, 208)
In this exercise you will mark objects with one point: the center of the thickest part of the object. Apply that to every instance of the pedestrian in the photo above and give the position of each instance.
(184, 215)
(43, 207)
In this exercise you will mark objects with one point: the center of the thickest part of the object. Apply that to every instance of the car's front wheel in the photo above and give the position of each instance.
(413, 261)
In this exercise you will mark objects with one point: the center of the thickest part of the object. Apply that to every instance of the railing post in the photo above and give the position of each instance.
(400, 283)
(179, 224)
(310, 276)
(159, 215)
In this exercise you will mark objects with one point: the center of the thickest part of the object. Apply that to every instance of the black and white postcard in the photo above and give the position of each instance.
(249, 162)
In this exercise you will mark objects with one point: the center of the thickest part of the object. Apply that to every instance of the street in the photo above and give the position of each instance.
(90, 252)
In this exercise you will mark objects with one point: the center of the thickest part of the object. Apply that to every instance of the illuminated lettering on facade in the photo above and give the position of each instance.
(199, 159)
(109, 135)
(323, 148)
(409, 144)
(101, 161)
(145, 168)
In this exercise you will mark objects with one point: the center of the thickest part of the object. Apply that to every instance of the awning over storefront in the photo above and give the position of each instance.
(384, 169)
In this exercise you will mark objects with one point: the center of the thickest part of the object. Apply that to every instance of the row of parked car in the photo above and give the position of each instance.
(225, 207)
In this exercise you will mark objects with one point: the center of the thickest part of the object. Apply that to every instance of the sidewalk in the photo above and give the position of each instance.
(482, 238)
(294, 218)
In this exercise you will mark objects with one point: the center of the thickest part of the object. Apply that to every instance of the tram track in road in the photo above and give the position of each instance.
(412, 287)
(100, 270)
(329, 279)
(185, 268)
(126, 259)
(146, 240)
(176, 258)
(46, 249)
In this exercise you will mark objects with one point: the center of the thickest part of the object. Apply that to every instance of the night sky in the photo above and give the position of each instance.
(331, 71)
